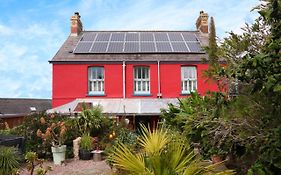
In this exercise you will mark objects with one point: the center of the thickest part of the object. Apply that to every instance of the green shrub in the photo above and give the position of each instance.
(9, 160)
(32, 123)
(86, 142)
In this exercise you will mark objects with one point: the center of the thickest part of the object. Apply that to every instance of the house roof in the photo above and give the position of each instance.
(104, 46)
(119, 106)
(13, 107)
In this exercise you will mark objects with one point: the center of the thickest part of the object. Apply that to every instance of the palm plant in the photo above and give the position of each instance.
(90, 119)
(9, 160)
(161, 153)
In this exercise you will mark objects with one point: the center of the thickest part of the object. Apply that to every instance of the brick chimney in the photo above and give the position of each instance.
(202, 22)
(76, 24)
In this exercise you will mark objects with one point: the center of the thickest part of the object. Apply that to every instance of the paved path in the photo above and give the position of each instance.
(77, 167)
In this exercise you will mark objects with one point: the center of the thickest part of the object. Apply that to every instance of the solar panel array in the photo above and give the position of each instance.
(138, 42)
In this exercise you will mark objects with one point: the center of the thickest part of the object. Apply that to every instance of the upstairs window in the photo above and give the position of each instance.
(96, 80)
(141, 80)
(188, 79)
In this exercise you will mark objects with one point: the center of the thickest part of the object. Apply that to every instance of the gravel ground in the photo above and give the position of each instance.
(77, 167)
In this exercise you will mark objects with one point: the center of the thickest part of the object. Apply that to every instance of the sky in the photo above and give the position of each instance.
(32, 31)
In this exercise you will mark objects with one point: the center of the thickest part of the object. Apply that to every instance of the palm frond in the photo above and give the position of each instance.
(153, 142)
(123, 158)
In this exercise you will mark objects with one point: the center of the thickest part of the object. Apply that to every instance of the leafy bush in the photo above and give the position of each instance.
(32, 123)
(162, 153)
(86, 142)
(9, 160)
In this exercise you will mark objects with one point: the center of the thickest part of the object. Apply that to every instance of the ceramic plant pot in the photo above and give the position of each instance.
(59, 154)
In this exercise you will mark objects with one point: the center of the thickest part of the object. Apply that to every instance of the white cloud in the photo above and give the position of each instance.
(24, 70)
(4, 30)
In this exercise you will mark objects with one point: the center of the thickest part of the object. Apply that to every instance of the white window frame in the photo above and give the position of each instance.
(188, 79)
(141, 83)
(95, 83)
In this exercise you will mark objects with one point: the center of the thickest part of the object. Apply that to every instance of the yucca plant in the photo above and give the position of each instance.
(9, 160)
(162, 153)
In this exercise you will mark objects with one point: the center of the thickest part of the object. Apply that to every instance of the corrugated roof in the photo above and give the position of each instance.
(120, 106)
(21, 106)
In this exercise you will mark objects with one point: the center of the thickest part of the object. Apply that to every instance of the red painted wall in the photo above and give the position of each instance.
(70, 81)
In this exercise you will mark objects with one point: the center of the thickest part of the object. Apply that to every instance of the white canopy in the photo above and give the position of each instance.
(119, 105)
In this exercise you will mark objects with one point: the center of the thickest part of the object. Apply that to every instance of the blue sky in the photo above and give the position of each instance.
(32, 31)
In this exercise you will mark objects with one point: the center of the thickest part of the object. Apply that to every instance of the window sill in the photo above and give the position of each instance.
(187, 93)
(95, 95)
(143, 95)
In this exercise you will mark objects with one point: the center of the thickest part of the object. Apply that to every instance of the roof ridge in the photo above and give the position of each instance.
(140, 31)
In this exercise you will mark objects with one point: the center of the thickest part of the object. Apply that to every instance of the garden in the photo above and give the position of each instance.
(220, 133)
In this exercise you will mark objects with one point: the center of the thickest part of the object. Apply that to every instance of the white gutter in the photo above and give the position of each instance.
(124, 79)
(159, 95)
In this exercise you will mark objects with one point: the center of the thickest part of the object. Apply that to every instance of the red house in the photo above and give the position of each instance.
(132, 73)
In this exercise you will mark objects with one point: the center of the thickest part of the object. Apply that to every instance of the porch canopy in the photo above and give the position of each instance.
(118, 106)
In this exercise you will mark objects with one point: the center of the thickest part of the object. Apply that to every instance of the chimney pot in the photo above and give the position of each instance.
(202, 22)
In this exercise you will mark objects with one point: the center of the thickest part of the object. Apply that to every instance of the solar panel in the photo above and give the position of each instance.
(103, 36)
(138, 42)
(83, 47)
(89, 36)
(131, 47)
(147, 47)
(163, 47)
(194, 47)
(175, 36)
(146, 36)
(115, 47)
(117, 37)
(179, 47)
(132, 36)
(161, 37)
(189, 36)
(99, 47)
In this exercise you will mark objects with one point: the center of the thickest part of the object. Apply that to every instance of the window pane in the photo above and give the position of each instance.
(139, 86)
(139, 73)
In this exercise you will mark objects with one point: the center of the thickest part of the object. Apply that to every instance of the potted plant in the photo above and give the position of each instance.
(55, 135)
(86, 145)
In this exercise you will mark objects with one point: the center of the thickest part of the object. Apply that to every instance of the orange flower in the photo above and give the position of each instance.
(39, 133)
(62, 130)
(53, 125)
(42, 120)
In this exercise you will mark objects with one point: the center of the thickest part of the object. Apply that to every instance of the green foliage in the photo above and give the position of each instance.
(9, 160)
(212, 49)
(90, 119)
(32, 123)
(86, 142)
(162, 153)
(33, 161)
